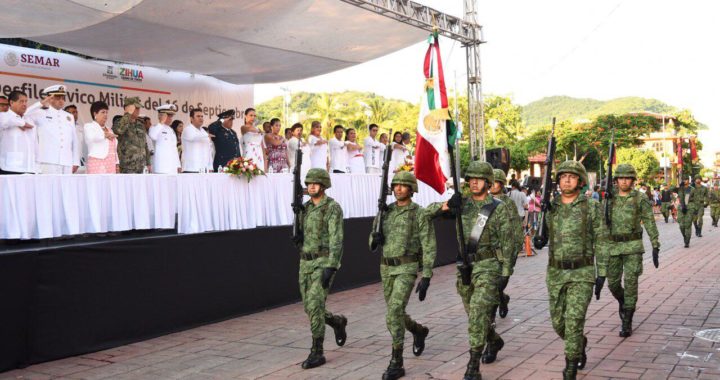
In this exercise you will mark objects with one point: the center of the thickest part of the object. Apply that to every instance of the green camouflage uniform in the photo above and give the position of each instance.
(666, 203)
(685, 219)
(714, 200)
(322, 226)
(627, 245)
(409, 235)
(132, 146)
(577, 238)
(699, 199)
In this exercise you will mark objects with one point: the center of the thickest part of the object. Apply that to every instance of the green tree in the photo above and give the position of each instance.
(644, 162)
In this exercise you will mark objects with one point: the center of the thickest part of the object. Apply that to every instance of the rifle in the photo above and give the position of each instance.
(297, 206)
(609, 181)
(541, 237)
(382, 199)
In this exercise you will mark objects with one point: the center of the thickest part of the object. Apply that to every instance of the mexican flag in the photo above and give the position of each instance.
(436, 131)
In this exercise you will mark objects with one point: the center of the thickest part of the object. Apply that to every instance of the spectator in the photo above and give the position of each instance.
(18, 138)
(165, 159)
(383, 139)
(318, 147)
(58, 148)
(399, 151)
(372, 151)
(338, 151)
(227, 144)
(101, 142)
(4, 103)
(288, 134)
(132, 146)
(519, 198)
(277, 152)
(79, 130)
(252, 140)
(356, 161)
(197, 150)
(295, 143)
(408, 145)
(596, 193)
(147, 123)
(177, 127)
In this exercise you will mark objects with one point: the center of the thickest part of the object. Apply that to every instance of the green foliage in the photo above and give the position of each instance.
(644, 162)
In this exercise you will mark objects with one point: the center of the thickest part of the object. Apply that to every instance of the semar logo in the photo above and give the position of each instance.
(131, 74)
(11, 59)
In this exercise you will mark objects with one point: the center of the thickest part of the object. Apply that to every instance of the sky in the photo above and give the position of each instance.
(601, 49)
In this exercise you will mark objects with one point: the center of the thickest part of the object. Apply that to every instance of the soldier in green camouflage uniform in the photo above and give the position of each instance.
(685, 215)
(666, 202)
(714, 199)
(132, 149)
(498, 191)
(628, 209)
(492, 261)
(408, 243)
(322, 226)
(699, 199)
(578, 242)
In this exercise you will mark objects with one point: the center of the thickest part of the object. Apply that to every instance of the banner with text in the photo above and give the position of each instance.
(87, 81)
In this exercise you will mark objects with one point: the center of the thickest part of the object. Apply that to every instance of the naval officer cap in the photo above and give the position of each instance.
(134, 101)
(229, 114)
(170, 109)
(57, 89)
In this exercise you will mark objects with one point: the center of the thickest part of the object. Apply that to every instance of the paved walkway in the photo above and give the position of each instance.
(675, 301)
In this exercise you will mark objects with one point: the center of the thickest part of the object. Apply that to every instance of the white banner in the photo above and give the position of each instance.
(87, 81)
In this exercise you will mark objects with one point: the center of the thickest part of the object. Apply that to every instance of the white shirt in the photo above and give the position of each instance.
(338, 155)
(398, 156)
(17, 146)
(318, 153)
(97, 145)
(166, 159)
(82, 152)
(196, 147)
(57, 137)
(372, 152)
(520, 201)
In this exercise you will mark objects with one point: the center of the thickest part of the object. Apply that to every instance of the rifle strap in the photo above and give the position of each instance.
(477, 232)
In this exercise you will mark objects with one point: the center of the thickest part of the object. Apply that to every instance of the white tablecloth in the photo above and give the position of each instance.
(45, 206)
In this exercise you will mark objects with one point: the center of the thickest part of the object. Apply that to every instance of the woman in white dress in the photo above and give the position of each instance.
(296, 142)
(398, 152)
(252, 139)
(355, 160)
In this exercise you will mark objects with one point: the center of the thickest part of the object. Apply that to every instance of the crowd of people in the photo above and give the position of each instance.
(47, 138)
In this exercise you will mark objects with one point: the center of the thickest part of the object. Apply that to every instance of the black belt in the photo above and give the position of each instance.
(313, 256)
(481, 256)
(626, 237)
(581, 262)
(395, 261)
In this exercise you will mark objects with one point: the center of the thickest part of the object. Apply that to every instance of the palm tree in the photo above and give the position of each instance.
(380, 111)
(326, 111)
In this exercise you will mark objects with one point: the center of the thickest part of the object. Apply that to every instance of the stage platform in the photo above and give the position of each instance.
(84, 294)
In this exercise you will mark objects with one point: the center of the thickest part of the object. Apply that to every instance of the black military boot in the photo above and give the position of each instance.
(583, 357)
(419, 333)
(473, 366)
(316, 357)
(626, 329)
(395, 370)
(571, 368)
(687, 240)
(666, 219)
(338, 324)
(503, 311)
(699, 231)
(492, 350)
(621, 303)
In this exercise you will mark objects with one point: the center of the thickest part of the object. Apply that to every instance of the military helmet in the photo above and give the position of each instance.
(317, 175)
(625, 171)
(500, 176)
(405, 178)
(697, 177)
(479, 169)
(574, 167)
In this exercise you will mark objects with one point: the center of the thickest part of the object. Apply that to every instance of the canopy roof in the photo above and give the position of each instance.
(238, 41)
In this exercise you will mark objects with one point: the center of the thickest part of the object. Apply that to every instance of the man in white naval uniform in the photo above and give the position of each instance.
(58, 147)
(166, 159)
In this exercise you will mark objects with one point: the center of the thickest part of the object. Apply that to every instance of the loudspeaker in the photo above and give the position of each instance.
(499, 158)
(532, 183)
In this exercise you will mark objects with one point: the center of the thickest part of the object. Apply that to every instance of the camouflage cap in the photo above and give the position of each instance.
(135, 101)
(317, 175)
(500, 176)
(405, 178)
(479, 169)
(625, 171)
(573, 167)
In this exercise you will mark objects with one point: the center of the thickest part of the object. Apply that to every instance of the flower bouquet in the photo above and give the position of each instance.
(241, 166)
(408, 166)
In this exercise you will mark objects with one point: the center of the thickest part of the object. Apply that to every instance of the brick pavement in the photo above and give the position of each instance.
(675, 301)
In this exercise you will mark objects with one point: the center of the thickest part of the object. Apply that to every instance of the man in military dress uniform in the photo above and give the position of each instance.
(408, 243)
(578, 242)
(666, 202)
(487, 226)
(699, 199)
(714, 200)
(132, 149)
(686, 212)
(628, 209)
(227, 145)
(322, 226)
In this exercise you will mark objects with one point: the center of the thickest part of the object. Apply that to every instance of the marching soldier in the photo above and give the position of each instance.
(132, 149)
(714, 199)
(699, 199)
(408, 243)
(498, 191)
(578, 242)
(666, 202)
(322, 226)
(686, 212)
(488, 226)
(629, 208)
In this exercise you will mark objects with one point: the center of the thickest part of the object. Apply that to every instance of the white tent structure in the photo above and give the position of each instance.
(238, 41)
